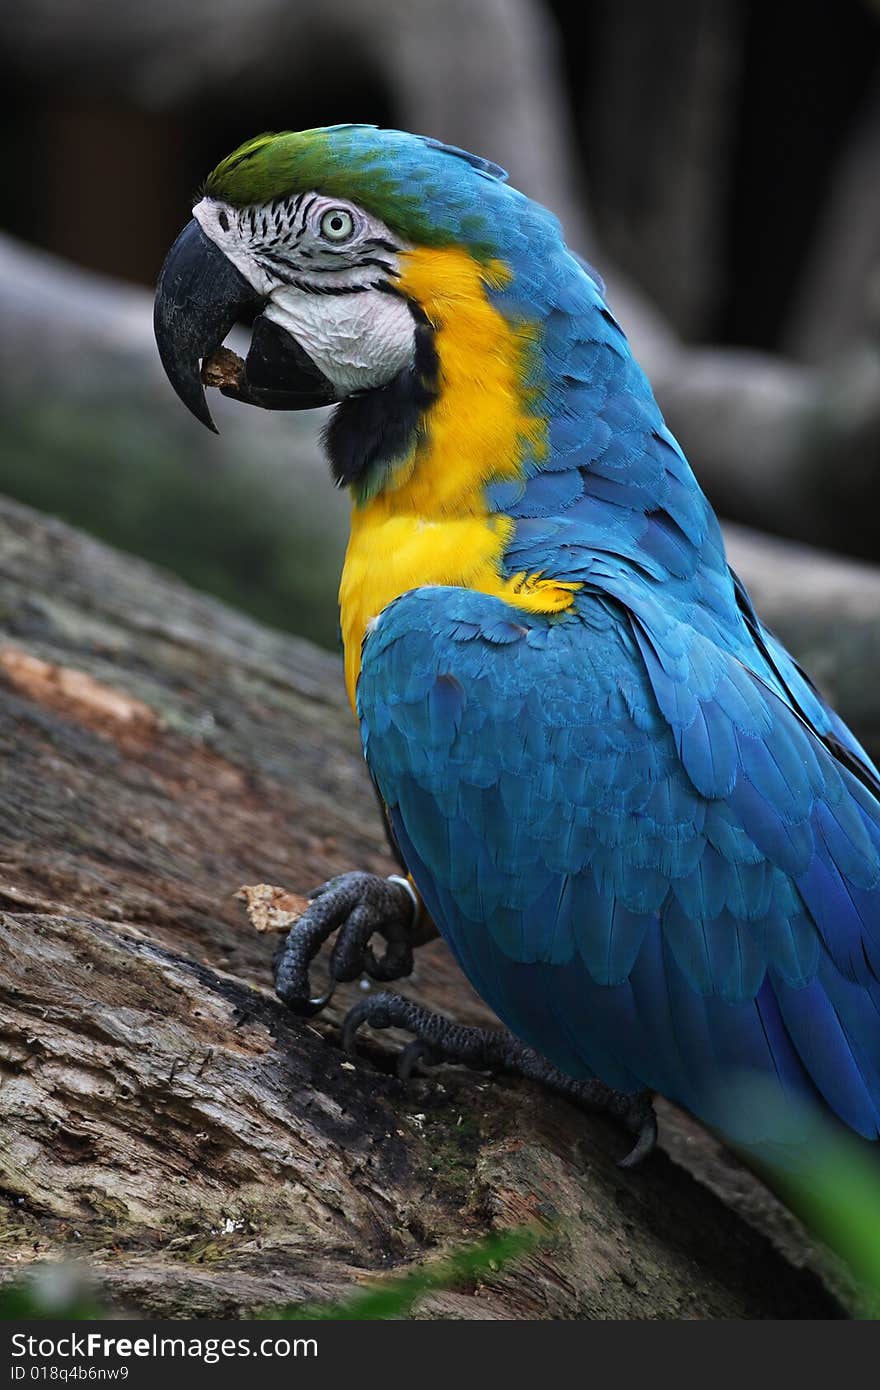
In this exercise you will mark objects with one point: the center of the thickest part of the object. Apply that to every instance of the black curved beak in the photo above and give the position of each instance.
(199, 297)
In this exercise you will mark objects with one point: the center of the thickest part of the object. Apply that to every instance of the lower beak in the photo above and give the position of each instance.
(199, 297)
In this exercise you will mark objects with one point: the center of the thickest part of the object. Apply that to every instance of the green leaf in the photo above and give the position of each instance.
(394, 1298)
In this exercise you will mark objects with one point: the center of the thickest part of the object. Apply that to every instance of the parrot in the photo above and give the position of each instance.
(649, 842)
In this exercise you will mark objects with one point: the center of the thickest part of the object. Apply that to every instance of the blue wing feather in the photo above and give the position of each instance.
(646, 861)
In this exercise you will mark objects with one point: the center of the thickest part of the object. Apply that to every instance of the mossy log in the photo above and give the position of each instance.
(164, 1119)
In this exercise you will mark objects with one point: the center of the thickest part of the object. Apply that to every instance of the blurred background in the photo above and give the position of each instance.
(719, 160)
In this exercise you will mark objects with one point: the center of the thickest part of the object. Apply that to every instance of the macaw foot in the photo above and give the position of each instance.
(357, 906)
(438, 1039)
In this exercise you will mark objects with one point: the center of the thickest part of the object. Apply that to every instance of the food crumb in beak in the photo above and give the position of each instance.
(223, 368)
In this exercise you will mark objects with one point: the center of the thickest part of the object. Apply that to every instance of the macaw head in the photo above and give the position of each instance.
(351, 245)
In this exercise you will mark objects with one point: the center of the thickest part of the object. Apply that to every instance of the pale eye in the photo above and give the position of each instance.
(336, 224)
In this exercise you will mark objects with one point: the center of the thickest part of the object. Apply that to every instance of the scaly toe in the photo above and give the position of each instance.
(414, 1054)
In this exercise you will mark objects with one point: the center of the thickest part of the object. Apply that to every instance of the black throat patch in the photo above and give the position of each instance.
(371, 431)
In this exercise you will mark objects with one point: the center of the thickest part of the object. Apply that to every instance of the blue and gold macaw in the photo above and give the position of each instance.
(652, 846)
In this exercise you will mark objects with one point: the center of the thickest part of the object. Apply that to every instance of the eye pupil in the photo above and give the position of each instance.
(337, 224)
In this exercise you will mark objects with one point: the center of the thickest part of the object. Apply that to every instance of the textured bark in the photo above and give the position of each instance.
(163, 1116)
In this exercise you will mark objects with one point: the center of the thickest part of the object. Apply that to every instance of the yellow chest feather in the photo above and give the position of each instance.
(430, 524)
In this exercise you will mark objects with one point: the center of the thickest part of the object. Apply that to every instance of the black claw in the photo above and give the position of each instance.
(322, 1000)
(358, 1015)
(306, 1007)
(646, 1135)
(414, 1054)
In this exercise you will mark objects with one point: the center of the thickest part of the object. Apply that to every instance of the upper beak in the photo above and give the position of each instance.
(199, 297)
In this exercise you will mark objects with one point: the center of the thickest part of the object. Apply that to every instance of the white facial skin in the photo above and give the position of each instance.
(321, 261)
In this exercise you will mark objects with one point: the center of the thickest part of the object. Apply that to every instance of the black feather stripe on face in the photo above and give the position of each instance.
(309, 287)
(361, 262)
(371, 431)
